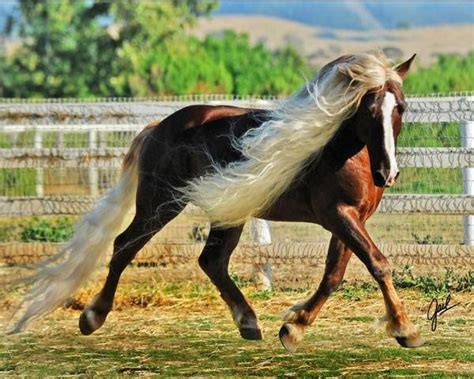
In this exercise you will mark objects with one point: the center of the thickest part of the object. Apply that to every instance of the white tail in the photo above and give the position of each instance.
(61, 276)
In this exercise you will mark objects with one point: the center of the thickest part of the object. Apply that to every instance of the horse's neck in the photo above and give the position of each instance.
(339, 149)
(342, 147)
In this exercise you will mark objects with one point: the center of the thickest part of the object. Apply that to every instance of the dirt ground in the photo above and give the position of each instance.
(164, 329)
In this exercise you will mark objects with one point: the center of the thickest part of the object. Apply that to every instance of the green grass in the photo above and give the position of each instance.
(209, 346)
(185, 330)
(443, 134)
(360, 319)
(428, 181)
(15, 182)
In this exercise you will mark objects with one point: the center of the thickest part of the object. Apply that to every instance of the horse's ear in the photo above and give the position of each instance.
(404, 67)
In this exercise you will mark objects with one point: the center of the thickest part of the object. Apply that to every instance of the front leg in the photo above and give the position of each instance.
(346, 224)
(214, 260)
(303, 314)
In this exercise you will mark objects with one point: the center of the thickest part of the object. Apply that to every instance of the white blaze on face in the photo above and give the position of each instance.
(388, 104)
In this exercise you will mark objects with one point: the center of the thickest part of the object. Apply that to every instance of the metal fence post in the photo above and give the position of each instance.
(467, 140)
(260, 234)
(93, 172)
(38, 145)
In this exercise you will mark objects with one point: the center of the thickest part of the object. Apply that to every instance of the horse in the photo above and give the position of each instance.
(323, 155)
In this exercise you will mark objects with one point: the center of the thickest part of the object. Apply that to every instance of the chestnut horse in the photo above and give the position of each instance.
(324, 156)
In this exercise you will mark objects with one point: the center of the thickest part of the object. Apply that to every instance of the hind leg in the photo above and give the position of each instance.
(301, 315)
(146, 223)
(214, 261)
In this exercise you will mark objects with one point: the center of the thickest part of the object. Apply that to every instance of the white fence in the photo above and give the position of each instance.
(97, 121)
(98, 155)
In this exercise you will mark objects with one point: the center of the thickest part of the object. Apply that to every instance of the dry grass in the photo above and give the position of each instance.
(185, 329)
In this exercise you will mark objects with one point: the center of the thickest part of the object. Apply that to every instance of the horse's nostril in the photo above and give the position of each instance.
(379, 179)
(398, 174)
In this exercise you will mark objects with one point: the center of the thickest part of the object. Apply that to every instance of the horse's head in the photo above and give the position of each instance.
(379, 121)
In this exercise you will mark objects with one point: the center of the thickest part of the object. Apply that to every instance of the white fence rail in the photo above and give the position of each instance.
(130, 117)
(421, 109)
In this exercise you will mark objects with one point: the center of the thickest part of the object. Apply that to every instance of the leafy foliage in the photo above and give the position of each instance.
(451, 73)
(69, 48)
(224, 64)
(46, 231)
(65, 51)
(356, 291)
(17, 182)
(90, 48)
(430, 286)
(447, 282)
(149, 35)
(94, 48)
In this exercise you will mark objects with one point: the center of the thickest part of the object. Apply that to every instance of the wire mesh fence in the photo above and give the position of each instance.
(57, 157)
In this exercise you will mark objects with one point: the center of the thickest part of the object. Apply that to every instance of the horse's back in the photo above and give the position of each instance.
(193, 116)
(182, 142)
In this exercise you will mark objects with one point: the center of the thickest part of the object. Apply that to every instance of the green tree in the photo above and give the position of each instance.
(218, 64)
(255, 69)
(151, 34)
(65, 51)
(449, 74)
(69, 47)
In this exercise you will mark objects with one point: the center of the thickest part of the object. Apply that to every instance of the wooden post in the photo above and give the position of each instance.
(467, 138)
(93, 172)
(38, 144)
(260, 234)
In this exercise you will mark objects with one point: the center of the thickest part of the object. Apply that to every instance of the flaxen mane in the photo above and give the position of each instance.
(275, 153)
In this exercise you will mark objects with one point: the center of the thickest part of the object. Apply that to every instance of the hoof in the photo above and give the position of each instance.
(89, 322)
(251, 334)
(290, 336)
(413, 341)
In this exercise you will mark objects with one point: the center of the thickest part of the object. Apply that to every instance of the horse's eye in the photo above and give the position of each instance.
(402, 106)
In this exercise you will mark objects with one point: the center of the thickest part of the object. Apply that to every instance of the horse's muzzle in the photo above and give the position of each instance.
(385, 181)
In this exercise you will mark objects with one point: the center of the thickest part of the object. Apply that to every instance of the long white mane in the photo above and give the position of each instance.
(276, 152)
